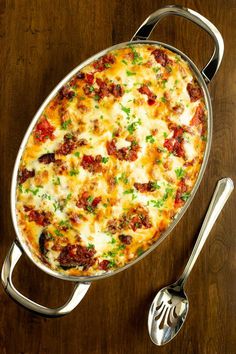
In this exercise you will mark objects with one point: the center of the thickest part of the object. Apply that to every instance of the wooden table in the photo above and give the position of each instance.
(40, 42)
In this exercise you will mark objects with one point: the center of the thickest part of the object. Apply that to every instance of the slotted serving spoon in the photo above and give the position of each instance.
(170, 306)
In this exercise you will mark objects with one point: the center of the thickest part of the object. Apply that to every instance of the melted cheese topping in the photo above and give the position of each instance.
(111, 161)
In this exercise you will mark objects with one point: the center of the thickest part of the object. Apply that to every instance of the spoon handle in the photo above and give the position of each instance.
(222, 192)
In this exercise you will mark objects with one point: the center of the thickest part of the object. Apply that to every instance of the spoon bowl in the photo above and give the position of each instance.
(167, 314)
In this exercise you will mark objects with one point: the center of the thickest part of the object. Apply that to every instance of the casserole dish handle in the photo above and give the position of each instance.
(149, 24)
(9, 264)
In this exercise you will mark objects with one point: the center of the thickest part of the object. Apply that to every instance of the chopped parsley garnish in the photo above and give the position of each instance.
(132, 192)
(129, 191)
(46, 196)
(65, 124)
(123, 178)
(180, 173)
(157, 203)
(113, 241)
(155, 70)
(137, 59)
(58, 233)
(163, 83)
(165, 135)
(105, 159)
(129, 73)
(91, 88)
(69, 136)
(65, 223)
(124, 61)
(90, 199)
(125, 109)
(33, 191)
(74, 172)
(155, 185)
(163, 99)
(150, 139)
(204, 138)
(56, 181)
(107, 65)
(185, 196)
(77, 154)
(90, 246)
(139, 251)
(168, 193)
(56, 206)
(97, 98)
(121, 247)
(68, 197)
(132, 127)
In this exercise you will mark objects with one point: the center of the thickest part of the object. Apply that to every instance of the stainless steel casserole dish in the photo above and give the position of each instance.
(204, 77)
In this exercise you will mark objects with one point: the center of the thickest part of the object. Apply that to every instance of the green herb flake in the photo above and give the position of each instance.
(56, 181)
(157, 203)
(165, 135)
(107, 65)
(65, 124)
(132, 127)
(74, 172)
(124, 61)
(163, 99)
(180, 173)
(105, 159)
(97, 98)
(68, 197)
(90, 246)
(137, 59)
(129, 73)
(65, 223)
(168, 193)
(129, 191)
(156, 70)
(33, 191)
(56, 206)
(185, 196)
(150, 139)
(113, 241)
(58, 233)
(155, 185)
(125, 109)
(77, 154)
(140, 251)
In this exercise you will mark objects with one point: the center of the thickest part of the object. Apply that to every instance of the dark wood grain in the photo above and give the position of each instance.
(40, 42)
